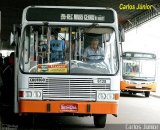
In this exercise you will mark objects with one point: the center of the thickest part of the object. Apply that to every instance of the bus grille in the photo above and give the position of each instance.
(69, 88)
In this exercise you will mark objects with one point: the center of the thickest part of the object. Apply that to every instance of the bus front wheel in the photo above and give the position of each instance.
(147, 94)
(100, 121)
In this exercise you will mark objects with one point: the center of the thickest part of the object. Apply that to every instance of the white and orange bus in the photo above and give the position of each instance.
(138, 73)
(51, 75)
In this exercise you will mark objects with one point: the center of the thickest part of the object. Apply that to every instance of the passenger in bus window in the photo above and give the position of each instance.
(57, 50)
(94, 51)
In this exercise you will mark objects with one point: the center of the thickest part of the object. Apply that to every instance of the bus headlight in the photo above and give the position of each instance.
(110, 96)
(30, 94)
(101, 96)
(37, 94)
(107, 95)
(127, 81)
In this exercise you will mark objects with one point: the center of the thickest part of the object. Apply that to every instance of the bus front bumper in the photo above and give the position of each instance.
(75, 107)
(138, 87)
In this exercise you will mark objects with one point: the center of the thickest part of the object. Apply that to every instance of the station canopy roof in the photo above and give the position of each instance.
(11, 11)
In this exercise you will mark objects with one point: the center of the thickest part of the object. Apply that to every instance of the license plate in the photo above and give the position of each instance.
(69, 107)
(138, 86)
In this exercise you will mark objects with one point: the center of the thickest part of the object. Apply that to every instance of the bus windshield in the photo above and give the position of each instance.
(142, 69)
(69, 50)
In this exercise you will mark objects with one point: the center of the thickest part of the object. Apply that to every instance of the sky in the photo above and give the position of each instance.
(144, 38)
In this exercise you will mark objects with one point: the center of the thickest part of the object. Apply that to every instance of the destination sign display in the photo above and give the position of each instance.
(83, 17)
(70, 15)
(139, 55)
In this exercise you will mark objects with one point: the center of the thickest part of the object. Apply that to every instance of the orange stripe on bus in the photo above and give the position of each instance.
(124, 85)
(26, 106)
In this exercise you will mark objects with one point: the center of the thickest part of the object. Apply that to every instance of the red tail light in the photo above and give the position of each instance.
(21, 93)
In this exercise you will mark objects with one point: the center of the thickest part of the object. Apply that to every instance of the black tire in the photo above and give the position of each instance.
(130, 92)
(134, 93)
(100, 121)
(147, 94)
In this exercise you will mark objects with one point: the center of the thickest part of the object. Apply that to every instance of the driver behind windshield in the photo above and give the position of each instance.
(94, 51)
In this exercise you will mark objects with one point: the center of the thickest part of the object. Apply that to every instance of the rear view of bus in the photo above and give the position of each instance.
(138, 73)
(55, 74)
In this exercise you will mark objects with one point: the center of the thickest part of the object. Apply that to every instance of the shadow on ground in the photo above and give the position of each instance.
(44, 122)
(138, 95)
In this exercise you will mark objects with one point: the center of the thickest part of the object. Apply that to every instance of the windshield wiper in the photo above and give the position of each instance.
(139, 79)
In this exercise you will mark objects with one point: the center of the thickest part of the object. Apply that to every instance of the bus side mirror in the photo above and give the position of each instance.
(121, 33)
(12, 41)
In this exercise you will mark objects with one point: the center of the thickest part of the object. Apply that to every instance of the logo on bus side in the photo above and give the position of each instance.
(37, 79)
